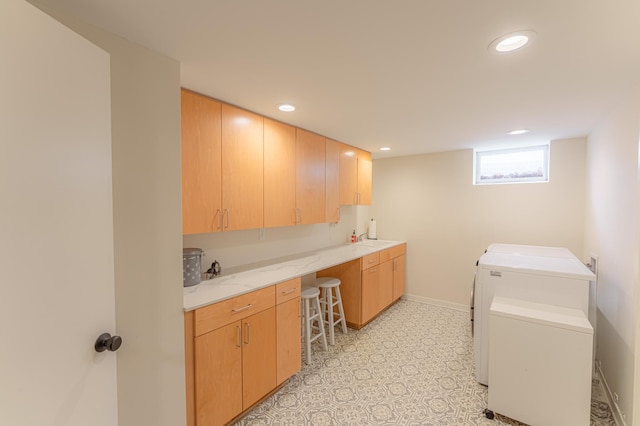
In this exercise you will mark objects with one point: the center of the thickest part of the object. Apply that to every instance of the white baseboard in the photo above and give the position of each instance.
(615, 410)
(443, 303)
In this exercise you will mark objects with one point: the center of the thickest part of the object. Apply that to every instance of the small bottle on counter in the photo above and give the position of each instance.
(354, 237)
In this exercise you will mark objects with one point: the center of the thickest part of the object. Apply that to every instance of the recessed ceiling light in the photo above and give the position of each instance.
(286, 107)
(512, 41)
(517, 132)
(385, 148)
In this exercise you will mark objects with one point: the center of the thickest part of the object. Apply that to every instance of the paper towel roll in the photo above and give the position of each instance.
(372, 230)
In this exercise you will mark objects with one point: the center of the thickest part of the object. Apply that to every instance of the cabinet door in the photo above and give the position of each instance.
(201, 163)
(332, 181)
(399, 274)
(242, 169)
(289, 352)
(370, 292)
(348, 175)
(385, 295)
(355, 176)
(218, 379)
(258, 356)
(279, 174)
(365, 170)
(377, 289)
(310, 177)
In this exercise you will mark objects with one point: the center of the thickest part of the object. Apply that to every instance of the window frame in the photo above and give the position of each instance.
(479, 154)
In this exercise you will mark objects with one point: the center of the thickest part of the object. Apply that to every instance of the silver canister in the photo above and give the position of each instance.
(191, 269)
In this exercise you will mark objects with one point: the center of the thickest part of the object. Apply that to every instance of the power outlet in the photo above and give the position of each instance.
(593, 264)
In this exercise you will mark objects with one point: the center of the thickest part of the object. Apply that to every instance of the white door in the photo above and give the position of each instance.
(56, 227)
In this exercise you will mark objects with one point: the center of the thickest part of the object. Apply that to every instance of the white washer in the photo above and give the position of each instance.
(530, 250)
(559, 281)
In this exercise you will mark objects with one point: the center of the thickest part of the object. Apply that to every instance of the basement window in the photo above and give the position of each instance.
(516, 165)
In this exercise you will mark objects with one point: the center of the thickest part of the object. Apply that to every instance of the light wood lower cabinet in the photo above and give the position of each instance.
(239, 350)
(377, 293)
(399, 276)
(370, 284)
(289, 344)
(218, 357)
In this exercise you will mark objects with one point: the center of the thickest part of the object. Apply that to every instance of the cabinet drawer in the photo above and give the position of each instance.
(288, 290)
(222, 313)
(370, 260)
(392, 252)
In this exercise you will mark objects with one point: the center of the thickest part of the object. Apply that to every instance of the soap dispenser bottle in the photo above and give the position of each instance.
(354, 238)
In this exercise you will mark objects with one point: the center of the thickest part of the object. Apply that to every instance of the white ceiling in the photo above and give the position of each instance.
(415, 75)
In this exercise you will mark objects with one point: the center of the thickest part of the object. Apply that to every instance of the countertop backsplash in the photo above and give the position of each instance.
(239, 248)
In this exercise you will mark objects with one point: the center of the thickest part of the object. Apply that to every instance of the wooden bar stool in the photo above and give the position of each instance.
(312, 320)
(328, 286)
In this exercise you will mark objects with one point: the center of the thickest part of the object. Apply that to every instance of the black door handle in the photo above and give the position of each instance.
(107, 343)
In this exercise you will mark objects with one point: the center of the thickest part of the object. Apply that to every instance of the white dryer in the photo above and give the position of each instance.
(559, 281)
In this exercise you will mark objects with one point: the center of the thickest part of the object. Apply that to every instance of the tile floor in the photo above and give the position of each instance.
(413, 365)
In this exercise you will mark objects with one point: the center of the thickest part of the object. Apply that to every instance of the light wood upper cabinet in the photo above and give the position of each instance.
(279, 174)
(310, 177)
(348, 175)
(201, 163)
(242, 169)
(222, 166)
(355, 176)
(332, 181)
(365, 175)
(294, 176)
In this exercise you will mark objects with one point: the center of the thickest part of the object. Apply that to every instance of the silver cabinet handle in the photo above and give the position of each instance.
(244, 308)
(217, 219)
(246, 335)
(238, 336)
(226, 213)
(291, 290)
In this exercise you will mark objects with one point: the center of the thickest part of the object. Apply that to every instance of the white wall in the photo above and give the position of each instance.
(145, 90)
(430, 201)
(611, 231)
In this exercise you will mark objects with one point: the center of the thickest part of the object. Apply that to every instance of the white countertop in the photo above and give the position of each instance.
(244, 279)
